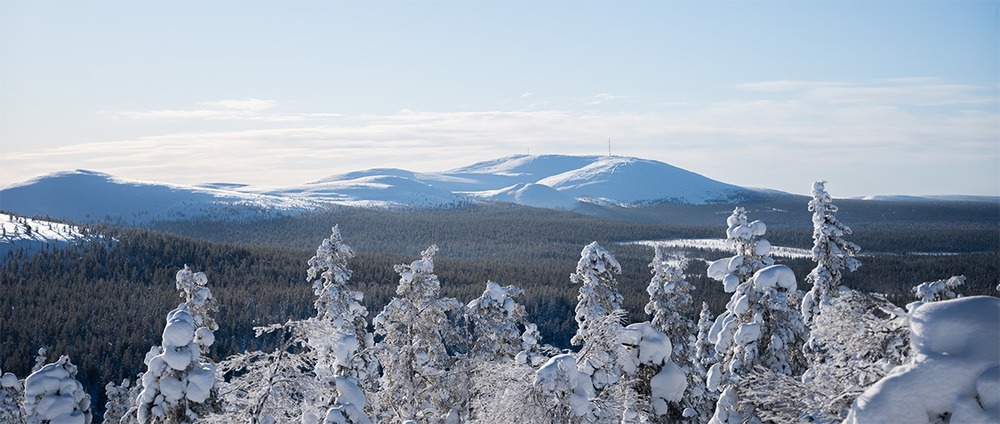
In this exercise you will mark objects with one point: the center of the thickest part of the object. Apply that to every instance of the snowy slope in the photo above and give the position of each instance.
(548, 181)
(372, 189)
(625, 180)
(88, 196)
(537, 195)
(34, 234)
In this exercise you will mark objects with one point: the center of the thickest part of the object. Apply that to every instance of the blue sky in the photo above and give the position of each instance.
(878, 97)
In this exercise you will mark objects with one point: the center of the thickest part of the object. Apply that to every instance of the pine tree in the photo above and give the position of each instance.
(420, 380)
(53, 395)
(830, 251)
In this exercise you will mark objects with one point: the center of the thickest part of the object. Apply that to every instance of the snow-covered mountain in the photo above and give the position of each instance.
(87, 196)
(547, 181)
(35, 234)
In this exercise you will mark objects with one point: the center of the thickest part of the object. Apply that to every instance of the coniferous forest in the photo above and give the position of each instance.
(369, 323)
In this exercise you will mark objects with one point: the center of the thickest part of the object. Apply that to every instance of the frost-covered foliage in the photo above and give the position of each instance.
(338, 337)
(954, 372)
(179, 383)
(670, 305)
(647, 367)
(270, 386)
(11, 398)
(121, 400)
(496, 319)
(704, 358)
(761, 325)
(420, 380)
(752, 251)
(52, 395)
(933, 291)
(566, 389)
(200, 303)
(349, 406)
(830, 251)
(857, 339)
(598, 300)
(670, 302)
(40, 359)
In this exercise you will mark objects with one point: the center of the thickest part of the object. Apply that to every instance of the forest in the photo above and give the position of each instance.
(103, 303)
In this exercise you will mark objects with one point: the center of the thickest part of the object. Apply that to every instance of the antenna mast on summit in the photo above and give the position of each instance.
(609, 147)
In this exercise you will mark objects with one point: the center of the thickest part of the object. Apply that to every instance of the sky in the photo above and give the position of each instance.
(876, 97)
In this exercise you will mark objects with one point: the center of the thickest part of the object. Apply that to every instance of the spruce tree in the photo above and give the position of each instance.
(830, 251)
(758, 327)
(53, 395)
(179, 383)
(420, 380)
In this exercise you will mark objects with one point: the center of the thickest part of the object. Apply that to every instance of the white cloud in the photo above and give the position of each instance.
(226, 109)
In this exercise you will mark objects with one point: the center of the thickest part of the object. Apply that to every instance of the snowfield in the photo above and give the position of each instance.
(35, 234)
(719, 245)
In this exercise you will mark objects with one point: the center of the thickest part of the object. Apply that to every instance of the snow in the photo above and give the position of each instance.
(529, 194)
(87, 196)
(52, 394)
(35, 234)
(667, 386)
(9, 380)
(559, 377)
(747, 333)
(650, 346)
(547, 181)
(776, 277)
(954, 370)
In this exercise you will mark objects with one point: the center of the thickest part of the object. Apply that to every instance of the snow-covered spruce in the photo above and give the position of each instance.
(496, 320)
(52, 395)
(933, 291)
(420, 380)
(179, 382)
(830, 251)
(121, 400)
(200, 304)
(954, 373)
(338, 336)
(599, 317)
(670, 305)
(11, 398)
(704, 358)
(761, 325)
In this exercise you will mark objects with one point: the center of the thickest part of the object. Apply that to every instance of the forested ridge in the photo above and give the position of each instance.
(103, 303)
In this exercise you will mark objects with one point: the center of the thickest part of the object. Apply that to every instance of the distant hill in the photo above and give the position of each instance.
(547, 181)
(88, 196)
(611, 186)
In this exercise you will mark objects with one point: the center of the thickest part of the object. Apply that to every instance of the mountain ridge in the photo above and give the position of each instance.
(544, 181)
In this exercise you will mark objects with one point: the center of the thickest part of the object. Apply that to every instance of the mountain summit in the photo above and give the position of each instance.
(547, 181)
